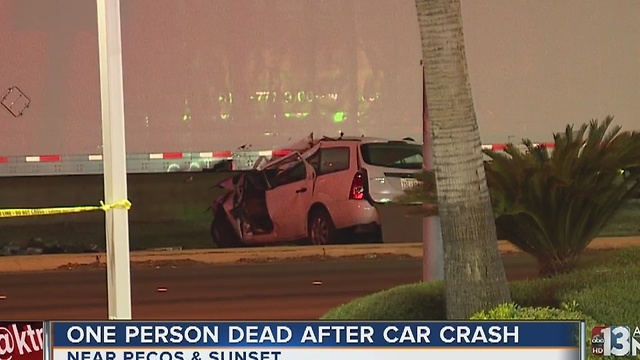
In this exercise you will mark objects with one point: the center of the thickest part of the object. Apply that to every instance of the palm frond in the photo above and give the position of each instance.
(553, 205)
(425, 193)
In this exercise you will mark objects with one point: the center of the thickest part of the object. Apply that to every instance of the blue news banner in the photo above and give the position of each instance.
(127, 340)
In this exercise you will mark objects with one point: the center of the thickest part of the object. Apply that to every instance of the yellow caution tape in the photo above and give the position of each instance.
(122, 204)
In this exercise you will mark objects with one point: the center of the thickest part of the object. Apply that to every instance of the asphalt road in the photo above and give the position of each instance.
(279, 290)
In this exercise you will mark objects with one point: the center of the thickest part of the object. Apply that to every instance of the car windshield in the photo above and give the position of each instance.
(393, 155)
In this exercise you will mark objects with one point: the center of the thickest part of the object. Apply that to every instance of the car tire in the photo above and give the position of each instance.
(222, 233)
(321, 229)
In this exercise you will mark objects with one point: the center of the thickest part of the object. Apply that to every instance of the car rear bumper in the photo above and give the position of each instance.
(354, 213)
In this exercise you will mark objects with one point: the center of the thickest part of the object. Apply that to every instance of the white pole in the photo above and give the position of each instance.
(432, 251)
(114, 159)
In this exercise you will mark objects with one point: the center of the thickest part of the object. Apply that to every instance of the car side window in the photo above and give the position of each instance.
(333, 160)
(286, 173)
(314, 161)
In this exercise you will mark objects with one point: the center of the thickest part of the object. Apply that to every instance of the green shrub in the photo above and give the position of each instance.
(514, 312)
(606, 289)
(552, 205)
(425, 193)
(602, 291)
(605, 286)
(538, 292)
(609, 301)
(426, 301)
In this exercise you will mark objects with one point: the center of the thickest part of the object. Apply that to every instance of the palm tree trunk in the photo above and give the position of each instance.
(474, 274)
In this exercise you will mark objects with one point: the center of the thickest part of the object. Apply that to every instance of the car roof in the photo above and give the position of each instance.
(307, 150)
(368, 140)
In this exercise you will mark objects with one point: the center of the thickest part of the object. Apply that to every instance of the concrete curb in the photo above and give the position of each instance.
(265, 254)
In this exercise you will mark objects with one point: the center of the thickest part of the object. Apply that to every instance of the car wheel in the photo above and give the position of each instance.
(322, 231)
(222, 233)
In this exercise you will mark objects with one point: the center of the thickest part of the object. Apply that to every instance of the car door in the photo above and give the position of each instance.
(289, 196)
(335, 170)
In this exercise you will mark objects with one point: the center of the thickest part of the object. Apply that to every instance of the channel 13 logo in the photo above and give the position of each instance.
(615, 341)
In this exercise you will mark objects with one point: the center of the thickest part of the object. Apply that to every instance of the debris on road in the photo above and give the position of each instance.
(37, 246)
(168, 248)
(74, 266)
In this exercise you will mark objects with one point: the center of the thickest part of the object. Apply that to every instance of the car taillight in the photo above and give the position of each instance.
(357, 187)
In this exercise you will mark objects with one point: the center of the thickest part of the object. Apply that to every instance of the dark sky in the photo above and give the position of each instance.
(536, 65)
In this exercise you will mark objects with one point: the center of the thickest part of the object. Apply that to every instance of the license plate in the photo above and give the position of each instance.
(409, 183)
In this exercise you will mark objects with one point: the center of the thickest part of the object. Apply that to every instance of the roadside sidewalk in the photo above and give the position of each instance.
(266, 254)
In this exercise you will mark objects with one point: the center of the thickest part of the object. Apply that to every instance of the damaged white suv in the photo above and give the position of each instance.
(317, 194)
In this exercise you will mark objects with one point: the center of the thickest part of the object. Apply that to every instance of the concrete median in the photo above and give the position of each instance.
(244, 255)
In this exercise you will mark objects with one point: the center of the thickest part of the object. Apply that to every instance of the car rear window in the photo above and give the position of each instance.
(392, 155)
